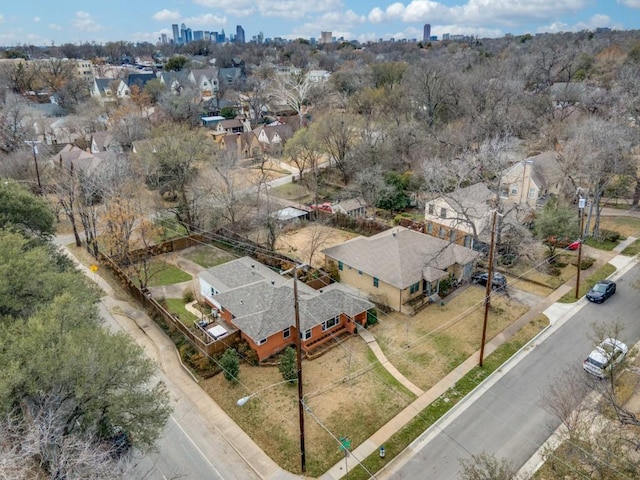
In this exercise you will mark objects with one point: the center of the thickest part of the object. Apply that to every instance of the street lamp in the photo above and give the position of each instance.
(581, 204)
(34, 147)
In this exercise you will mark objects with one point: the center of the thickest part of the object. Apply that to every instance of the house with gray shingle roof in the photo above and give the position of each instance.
(398, 266)
(532, 180)
(259, 302)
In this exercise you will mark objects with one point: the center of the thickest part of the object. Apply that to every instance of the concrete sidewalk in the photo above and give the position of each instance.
(548, 306)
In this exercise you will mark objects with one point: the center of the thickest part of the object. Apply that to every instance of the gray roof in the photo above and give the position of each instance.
(288, 213)
(471, 200)
(238, 273)
(401, 257)
(261, 309)
(546, 169)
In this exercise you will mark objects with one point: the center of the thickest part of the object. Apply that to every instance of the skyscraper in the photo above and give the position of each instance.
(239, 34)
(183, 33)
(176, 33)
(426, 32)
(325, 37)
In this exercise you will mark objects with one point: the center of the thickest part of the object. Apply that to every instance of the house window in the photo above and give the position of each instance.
(514, 190)
(432, 209)
(327, 324)
(262, 342)
(286, 332)
(504, 191)
(443, 212)
(340, 266)
(214, 291)
(532, 193)
(452, 235)
(306, 335)
(359, 272)
(430, 228)
(415, 288)
(441, 232)
(375, 282)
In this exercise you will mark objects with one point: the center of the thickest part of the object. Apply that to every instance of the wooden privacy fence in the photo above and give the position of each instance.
(198, 340)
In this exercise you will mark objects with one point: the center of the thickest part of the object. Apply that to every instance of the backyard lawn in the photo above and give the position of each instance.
(207, 256)
(166, 274)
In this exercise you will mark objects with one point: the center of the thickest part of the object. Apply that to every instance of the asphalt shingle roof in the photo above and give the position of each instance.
(400, 257)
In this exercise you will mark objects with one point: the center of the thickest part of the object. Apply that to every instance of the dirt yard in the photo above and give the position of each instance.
(307, 242)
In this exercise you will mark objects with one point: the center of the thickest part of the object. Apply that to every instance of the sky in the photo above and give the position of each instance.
(45, 22)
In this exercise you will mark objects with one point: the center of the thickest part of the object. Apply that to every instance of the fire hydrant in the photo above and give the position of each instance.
(381, 452)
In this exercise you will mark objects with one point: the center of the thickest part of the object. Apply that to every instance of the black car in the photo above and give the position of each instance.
(601, 291)
(481, 278)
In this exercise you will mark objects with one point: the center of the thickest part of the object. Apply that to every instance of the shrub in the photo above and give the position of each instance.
(608, 235)
(187, 296)
(585, 262)
(288, 367)
(230, 365)
(246, 353)
(372, 317)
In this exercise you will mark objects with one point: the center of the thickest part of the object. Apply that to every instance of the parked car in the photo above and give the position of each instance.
(601, 291)
(604, 357)
(574, 245)
(481, 278)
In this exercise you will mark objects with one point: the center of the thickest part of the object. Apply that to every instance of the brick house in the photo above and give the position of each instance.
(259, 303)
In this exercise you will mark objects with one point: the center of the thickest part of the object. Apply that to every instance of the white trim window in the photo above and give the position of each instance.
(332, 322)
(286, 332)
(262, 342)
(306, 335)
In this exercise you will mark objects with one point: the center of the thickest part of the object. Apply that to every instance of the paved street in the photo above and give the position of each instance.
(506, 417)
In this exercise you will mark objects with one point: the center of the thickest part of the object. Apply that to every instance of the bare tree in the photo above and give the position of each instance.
(293, 91)
(486, 467)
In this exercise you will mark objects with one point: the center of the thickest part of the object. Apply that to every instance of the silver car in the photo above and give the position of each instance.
(604, 357)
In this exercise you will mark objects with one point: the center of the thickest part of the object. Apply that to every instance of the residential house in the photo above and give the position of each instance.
(259, 302)
(399, 266)
(531, 181)
(104, 142)
(109, 89)
(174, 81)
(318, 76)
(139, 80)
(353, 207)
(241, 145)
(273, 137)
(74, 159)
(462, 216)
(231, 76)
(205, 80)
(225, 127)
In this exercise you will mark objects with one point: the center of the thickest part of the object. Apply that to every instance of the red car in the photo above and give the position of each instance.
(574, 245)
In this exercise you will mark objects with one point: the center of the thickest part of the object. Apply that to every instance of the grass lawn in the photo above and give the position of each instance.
(176, 306)
(607, 245)
(430, 344)
(633, 249)
(626, 226)
(528, 278)
(292, 191)
(207, 256)
(600, 274)
(166, 274)
(427, 417)
(346, 390)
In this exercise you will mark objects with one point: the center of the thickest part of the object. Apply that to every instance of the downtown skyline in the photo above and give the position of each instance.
(71, 21)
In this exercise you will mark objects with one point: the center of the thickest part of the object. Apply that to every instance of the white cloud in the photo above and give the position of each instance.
(592, 23)
(36, 19)
(630, 3)
(53, 26)
(1, 18)
(84, 22)
(477, 12)
(287, 9)
(166, 15)
(206, 20)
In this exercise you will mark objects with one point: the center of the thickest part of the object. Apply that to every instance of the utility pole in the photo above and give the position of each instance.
(487, 295)
(303, 465)
(581, 204)
(34, 147)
